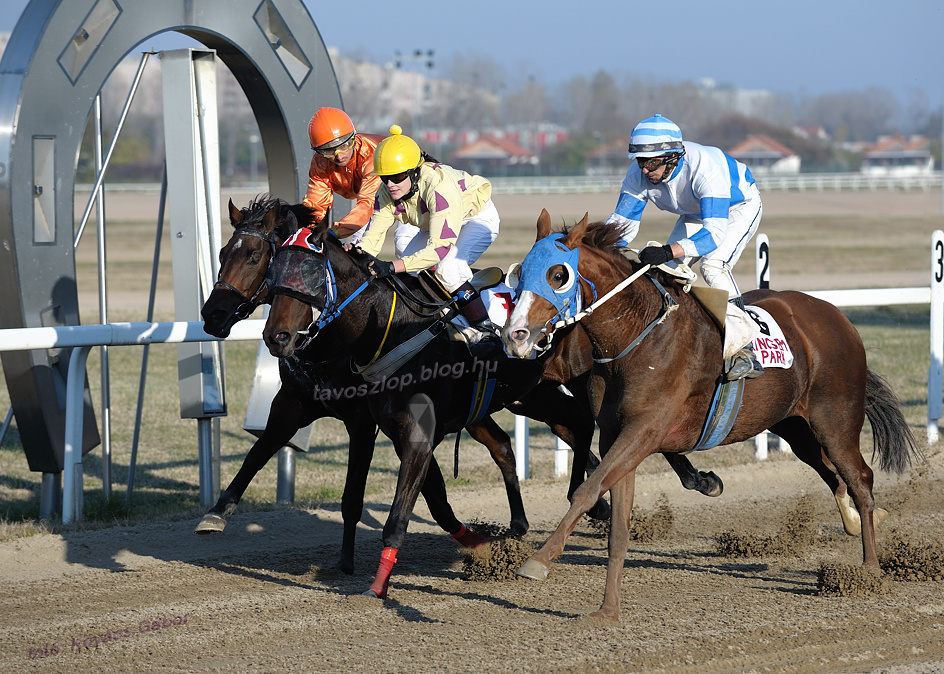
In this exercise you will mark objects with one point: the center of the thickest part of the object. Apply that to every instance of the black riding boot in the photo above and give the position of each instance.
(472, 307)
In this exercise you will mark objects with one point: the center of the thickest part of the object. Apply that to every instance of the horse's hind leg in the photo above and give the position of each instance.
(488, 433)
(839, 463)
(287, 414)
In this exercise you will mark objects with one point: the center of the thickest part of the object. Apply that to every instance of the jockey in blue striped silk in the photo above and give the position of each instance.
(719, 210)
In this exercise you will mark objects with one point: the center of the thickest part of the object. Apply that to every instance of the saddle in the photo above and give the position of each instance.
(481, 279)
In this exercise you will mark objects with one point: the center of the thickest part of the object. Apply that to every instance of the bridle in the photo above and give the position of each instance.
(250, 302)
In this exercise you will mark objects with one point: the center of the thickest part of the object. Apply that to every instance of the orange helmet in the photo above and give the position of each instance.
(329, 127)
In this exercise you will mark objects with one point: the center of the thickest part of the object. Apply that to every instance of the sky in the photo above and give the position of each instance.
(801, 47)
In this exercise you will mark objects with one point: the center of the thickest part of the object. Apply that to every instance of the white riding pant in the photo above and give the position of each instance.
(716, 267)
(476, 234)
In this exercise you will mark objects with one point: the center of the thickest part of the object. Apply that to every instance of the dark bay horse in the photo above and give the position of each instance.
(259, 229)
(653, 394)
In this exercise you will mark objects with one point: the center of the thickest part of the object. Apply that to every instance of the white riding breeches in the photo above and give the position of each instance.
(476, 234)
(743, 221)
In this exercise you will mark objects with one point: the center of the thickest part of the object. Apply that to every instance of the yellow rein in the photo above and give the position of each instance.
(393, 306)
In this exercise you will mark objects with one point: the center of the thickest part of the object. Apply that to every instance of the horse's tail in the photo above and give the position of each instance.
(892, 439)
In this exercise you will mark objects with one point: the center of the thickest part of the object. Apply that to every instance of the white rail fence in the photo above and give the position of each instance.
(800, 182)
(82, 338)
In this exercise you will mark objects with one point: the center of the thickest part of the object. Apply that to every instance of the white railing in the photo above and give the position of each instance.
(82, 338)
(801, 182)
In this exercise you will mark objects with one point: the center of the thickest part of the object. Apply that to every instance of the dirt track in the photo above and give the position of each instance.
(263, 596)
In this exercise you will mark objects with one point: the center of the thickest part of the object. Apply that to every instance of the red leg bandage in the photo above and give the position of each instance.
(468, 538)
(382, 580)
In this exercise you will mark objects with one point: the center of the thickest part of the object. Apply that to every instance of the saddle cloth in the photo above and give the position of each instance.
(770, 346)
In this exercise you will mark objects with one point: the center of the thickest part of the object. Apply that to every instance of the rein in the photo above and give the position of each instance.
(668, 305)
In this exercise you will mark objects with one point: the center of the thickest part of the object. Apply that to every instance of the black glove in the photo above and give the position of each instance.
(655, 255)
(380, 268)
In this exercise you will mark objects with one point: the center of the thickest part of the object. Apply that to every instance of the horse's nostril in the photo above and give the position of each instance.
(282, 337)
(520, 335)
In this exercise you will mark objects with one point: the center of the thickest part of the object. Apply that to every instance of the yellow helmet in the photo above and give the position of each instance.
(396, 153)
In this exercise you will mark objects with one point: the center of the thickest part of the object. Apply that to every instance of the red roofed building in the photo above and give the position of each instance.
(764, 155)
(896, 155)
(493, 156)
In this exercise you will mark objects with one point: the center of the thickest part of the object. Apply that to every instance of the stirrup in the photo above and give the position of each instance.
(744, 365)
(489, 329)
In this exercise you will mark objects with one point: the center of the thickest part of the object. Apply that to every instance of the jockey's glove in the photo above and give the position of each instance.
(380, 268)
(656, 255)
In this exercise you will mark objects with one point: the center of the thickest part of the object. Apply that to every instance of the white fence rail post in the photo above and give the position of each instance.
(936, 369)
(522, 460)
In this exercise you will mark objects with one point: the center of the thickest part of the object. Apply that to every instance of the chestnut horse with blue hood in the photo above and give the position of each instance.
(657, 366)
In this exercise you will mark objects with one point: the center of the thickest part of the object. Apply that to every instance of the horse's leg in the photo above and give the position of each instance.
(416, 457)
(360, 453)
(288, 412)
(620, 460)
(807, 448)
(434, 492)
(621, 498)
(488, 433)
(706, 483)
(570, 419)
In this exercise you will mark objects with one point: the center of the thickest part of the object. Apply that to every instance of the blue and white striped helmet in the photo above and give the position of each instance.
(655, 136)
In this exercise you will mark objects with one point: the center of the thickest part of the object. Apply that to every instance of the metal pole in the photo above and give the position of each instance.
(72, 452)
(111, 148)
(50, 491)
(285, 485)
(142, 380)
(103, 306)
(208, 451)
(6, 424)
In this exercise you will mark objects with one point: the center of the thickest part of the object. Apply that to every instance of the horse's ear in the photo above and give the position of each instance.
(321, 229)
(576, 233)
(544, 224)
(235, 215)
(270, 220)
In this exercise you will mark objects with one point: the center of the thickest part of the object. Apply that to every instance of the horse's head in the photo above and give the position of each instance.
(299, 287)
(258, 230)
(548, 287)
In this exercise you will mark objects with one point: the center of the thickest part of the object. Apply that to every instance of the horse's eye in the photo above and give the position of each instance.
(256, 257)
(559, 277)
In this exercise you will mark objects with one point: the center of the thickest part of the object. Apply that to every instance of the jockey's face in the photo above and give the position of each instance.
(398, 185)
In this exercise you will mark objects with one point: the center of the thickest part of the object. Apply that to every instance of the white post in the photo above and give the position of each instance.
(521, 447)
(560, 458)
(762, 273)
(936, 370)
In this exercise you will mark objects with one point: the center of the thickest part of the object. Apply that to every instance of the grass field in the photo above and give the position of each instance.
(858, 247)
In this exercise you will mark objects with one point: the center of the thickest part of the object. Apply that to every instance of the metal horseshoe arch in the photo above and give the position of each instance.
(55, 64)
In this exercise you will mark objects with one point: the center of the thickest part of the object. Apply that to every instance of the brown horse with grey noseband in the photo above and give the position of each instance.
(653, 394)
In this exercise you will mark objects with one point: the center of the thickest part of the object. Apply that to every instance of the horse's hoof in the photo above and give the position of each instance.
(602, 615)
(372, 594)
(532, 569)
(346, 568)
(878, 516)
(210, 524)
(716, 485)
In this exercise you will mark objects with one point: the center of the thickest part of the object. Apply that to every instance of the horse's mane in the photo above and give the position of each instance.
(605, 237)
